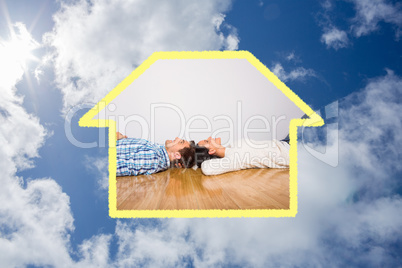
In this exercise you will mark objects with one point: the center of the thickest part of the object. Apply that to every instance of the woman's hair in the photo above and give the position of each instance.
(201, 154)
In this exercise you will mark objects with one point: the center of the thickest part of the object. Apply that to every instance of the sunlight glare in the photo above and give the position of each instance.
(18, 49)
(15, 53)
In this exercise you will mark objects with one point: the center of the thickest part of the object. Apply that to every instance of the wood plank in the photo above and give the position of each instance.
(209, 194)
(240, 188)
(179, 192)
(274, 183)
(124, 187)
(190, 189)
(146, 193)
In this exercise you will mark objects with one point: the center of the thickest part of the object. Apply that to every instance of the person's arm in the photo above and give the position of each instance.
(219, 166)
(155, 165)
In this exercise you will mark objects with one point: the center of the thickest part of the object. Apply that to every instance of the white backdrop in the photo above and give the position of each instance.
(194, 99)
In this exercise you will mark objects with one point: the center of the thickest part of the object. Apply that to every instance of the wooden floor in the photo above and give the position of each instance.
(190, 189)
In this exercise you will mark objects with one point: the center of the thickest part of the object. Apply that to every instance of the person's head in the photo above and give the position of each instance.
(202, 154)
(181, 152)
(207, 149)
(211, 144)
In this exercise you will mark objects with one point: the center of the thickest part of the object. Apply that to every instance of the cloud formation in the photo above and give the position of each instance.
(299, 73)
(36, 218)
(369, 14)
(97, 43)
(335, 38)
(99, 167)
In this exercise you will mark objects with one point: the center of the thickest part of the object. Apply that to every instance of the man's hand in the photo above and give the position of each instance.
(120, 136)
(178, 165)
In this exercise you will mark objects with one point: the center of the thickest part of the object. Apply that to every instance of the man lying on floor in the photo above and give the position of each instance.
(214, 159)
(139, 156)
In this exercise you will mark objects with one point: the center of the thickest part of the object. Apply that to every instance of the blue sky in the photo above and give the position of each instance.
(342, 54)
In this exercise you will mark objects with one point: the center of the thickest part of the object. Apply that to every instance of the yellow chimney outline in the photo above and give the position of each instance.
(314, 120)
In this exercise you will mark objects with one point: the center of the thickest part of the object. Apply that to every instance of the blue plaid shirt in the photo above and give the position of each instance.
(138, 156)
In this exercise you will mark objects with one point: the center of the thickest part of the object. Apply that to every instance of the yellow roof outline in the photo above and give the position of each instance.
(314, 120)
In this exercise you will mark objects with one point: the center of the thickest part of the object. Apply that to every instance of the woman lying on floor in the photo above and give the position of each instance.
(214, 159)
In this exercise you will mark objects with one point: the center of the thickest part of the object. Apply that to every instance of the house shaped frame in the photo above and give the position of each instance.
(313, 120)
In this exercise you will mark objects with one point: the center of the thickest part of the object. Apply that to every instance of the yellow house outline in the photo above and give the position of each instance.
(313, 121)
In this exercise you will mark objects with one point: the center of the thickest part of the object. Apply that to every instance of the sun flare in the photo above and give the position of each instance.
(18, 50)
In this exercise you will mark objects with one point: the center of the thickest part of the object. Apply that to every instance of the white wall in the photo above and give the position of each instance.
(217, 96)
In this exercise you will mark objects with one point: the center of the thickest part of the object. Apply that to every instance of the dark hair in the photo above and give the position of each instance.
(187, 159)
(201, 154)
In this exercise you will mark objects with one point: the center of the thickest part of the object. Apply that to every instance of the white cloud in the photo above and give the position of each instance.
(217, 20)
(21, 133)
(369, 13)
(150, 247)
(332, 37)
(291, 56)
(35, 220)
(98, 166)
(327, 4)
(94, 252)
(300, 73)
(97, 44)
(232, 42)
(335, 38)
(376, 118)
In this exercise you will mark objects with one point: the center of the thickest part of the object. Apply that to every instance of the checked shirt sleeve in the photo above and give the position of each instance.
(138, 156)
